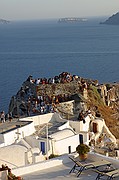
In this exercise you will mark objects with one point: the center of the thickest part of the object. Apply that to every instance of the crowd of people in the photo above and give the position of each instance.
(64, 77)
(4, 117)
(41, 104)
(44, 103)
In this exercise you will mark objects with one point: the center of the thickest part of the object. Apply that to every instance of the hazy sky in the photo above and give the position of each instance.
(43, 9)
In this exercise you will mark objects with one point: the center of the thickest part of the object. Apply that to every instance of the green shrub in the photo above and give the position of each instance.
(53, 156)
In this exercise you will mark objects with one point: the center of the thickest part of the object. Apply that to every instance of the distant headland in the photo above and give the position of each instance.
(113, 20)
(3, 21)
(71, 20)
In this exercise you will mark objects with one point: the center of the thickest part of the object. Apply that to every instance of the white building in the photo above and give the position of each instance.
(33, 137)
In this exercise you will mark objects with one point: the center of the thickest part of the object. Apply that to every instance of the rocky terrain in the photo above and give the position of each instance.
(113, 20)
(82, 94)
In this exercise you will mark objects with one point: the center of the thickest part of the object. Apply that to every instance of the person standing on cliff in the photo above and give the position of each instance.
(2, 116)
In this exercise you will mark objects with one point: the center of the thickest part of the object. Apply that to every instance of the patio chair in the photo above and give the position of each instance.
(110, 174)
(79, 167)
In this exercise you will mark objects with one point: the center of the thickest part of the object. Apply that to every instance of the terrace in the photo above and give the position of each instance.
(59, 168)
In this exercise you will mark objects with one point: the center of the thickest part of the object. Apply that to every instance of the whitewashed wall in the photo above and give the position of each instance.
(1, 140)
(75, 125)
(102, 128)
(3, 175)
(61, 146)
(85, 137)
(11, 136)
(40, 119)
(64, 126)
(79, 126)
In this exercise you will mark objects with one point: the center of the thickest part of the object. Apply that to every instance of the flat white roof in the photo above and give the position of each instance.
(14, 124)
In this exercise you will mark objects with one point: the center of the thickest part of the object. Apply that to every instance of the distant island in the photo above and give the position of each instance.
(71, 20)
(113, 20)
(3, 21)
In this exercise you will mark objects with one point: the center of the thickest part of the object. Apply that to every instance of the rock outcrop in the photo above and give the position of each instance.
(113, 20)
(84, 94)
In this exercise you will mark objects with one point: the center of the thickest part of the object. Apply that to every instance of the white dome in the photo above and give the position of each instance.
(13, 155)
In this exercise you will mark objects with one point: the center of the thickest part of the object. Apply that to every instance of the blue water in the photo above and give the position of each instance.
(47, 48)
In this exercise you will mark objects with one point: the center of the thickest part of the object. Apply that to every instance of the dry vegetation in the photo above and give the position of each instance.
(106, 112)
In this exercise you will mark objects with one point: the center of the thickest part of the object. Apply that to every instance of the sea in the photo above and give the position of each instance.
(45, 48)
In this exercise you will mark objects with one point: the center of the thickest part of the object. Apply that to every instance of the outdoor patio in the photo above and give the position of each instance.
(62, 171)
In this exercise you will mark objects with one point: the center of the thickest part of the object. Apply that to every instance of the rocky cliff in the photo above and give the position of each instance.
(84, 94)
(113, 20)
